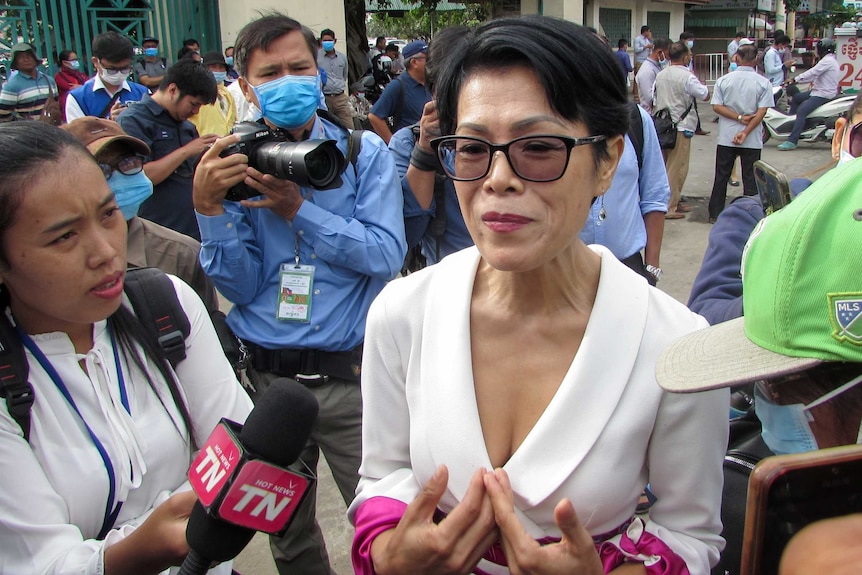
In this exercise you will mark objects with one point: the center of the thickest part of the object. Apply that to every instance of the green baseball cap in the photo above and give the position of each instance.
(801, 292)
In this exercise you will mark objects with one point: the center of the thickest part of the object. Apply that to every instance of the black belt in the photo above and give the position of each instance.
(321, 365)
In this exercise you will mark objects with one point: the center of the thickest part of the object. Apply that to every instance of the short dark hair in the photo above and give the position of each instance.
(261, 33)
(782, 39)
(740, 35)
(26, 148)
(378, 39)
(660, 44)
(191, 79)
(579, 74)
(191, 41)
(113, 47)
(391, 47)
(327, 32)
(747, 53)
(678, 51)
(645, 29)
(186, 53)
(622, 42)
(64, 56)
(685, 36)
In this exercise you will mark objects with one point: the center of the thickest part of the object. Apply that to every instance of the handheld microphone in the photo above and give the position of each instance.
(240, 478)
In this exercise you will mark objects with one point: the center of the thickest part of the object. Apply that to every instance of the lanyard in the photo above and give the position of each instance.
(110, 515)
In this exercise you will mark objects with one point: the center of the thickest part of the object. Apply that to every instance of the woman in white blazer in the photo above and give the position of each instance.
(511, 414)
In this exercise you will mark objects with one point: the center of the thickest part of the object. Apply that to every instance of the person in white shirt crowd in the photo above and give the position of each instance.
(643, 47)
(676, 88)
(740, 99)
(774, 65)
(98, 486)
(107, 93)
(733, 46)
(645, 77)
(335, 64)
(824, 86)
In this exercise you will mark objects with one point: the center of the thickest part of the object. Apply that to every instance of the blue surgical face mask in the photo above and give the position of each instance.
(328, 45)
(787, 428)
(228, 60)
(689, 43)
(733, 66)
(290, 101)
(662, 62)
(220, 77)
(130, 191)
(151, 52)
(74, 64)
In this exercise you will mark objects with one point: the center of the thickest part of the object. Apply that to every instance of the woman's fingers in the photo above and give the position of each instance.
(421, 510)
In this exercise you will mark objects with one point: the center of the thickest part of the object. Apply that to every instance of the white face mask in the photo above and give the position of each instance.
(845, 157)
(113, 78)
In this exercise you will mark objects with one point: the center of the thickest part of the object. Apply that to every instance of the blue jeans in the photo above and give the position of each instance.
(803, 104)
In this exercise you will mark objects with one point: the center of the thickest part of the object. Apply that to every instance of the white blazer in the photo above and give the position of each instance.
(607, 432)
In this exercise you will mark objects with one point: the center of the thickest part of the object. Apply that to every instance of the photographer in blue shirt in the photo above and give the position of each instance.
(301, 265)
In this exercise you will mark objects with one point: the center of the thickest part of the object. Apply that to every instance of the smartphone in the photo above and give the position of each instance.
(772, 187)
(787, 492)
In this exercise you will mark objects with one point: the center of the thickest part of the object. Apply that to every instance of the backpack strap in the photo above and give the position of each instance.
(636, 133)
(14, 374)
(156, 305)
(354, 146)
(354, 138)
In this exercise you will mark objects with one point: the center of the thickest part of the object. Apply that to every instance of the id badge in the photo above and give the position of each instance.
(294, 293)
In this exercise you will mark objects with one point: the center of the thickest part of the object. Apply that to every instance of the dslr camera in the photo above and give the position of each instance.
(310, 163)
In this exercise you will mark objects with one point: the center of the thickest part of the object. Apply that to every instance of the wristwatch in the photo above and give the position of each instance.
(653, 271)
(739, 118)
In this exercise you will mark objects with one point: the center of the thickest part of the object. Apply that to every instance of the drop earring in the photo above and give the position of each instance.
(603, 215)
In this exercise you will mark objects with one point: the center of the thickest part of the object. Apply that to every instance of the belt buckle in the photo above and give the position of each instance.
(311, 379)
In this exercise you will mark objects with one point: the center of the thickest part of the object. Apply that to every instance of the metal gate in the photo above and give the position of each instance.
(56, 25)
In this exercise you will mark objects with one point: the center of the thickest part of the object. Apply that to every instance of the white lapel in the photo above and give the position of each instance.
(575, 417)
(591, 390)
(447, 373)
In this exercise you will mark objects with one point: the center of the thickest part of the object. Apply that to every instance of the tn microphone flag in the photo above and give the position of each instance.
(237, 487)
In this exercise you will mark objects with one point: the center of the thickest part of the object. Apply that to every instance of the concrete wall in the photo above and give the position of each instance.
(316, 15)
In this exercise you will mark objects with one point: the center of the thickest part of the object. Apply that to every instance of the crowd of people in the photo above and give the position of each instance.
(519, 396)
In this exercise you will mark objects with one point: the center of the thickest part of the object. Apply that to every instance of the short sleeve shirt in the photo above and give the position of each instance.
(415, 97)
(171, 204)
(743, 91)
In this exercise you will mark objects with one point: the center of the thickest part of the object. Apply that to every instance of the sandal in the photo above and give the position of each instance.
(673, 216)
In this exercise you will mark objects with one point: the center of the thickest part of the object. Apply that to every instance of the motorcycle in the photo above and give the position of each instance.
(376, 79)
(819, 125)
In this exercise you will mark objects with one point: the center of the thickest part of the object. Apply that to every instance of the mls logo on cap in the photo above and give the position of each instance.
(846, 312)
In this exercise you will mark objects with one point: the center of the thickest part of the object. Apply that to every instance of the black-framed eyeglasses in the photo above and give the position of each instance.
(537, 158)
(127, 165)
(126, 70)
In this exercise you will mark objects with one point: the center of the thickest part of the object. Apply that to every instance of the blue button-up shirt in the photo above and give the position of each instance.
(416, 220)
(631, 196)
(353, 235)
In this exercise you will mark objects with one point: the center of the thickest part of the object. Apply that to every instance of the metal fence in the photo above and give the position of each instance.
(56, 25)
(709, 67)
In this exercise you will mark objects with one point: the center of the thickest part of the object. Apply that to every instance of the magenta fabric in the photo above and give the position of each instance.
(372, 518)
(380, 514)
(656, 556)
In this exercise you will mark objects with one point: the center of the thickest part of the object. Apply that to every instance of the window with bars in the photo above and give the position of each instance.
(659, 23)
(616, 23)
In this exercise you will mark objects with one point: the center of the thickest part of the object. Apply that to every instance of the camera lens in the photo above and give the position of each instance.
(315, 163)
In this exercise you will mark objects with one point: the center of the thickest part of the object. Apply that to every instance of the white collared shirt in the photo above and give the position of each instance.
(73, 108)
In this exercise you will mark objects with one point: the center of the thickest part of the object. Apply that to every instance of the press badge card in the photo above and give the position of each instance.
(294, 293)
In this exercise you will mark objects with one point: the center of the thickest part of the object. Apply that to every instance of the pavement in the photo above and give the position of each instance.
(685, 241)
